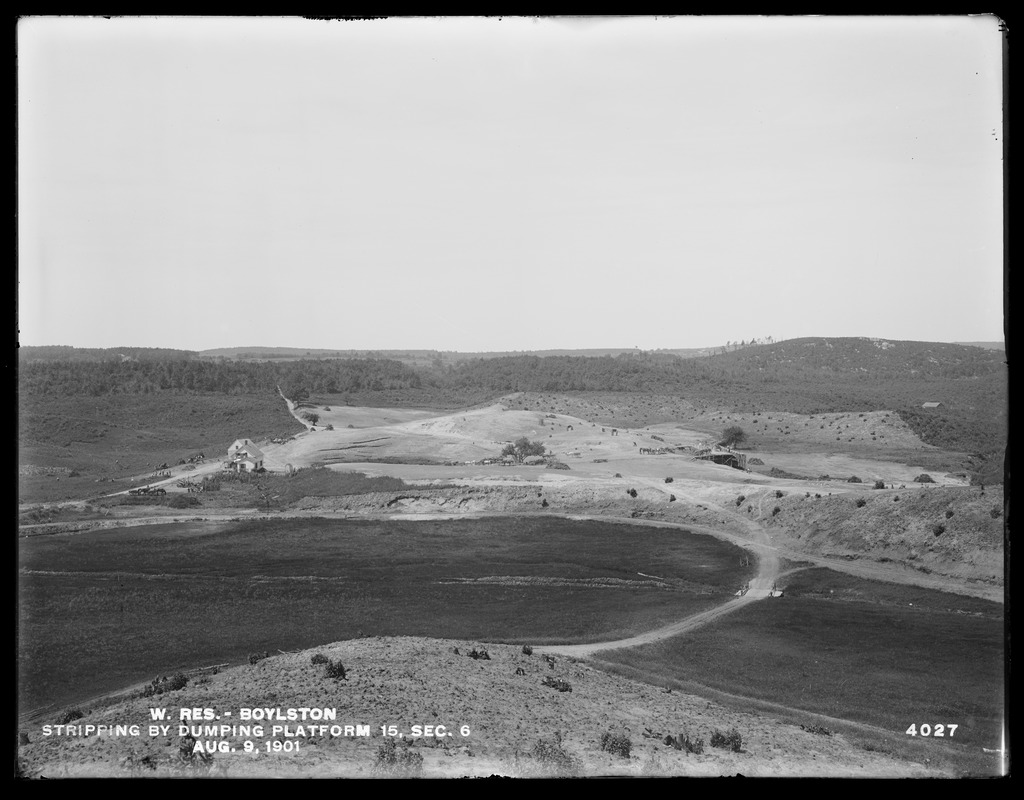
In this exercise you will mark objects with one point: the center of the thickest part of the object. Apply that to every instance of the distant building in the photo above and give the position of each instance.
(931, 405)
(245, 456)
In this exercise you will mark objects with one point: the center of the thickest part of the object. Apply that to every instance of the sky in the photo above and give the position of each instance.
(493, 184)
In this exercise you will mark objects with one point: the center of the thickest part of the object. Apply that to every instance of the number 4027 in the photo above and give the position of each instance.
(928, 730)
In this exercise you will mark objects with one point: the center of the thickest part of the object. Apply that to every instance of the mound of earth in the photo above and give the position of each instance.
(948, 531)
(504, 715)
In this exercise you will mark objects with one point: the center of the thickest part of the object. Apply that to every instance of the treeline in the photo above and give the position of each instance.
(297, 379)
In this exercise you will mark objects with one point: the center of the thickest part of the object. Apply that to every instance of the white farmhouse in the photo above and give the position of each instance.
(245, 456)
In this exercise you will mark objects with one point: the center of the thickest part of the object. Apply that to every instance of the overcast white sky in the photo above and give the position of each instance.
(508, 184)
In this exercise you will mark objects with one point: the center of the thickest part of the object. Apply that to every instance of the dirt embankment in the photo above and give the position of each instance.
(954, 532)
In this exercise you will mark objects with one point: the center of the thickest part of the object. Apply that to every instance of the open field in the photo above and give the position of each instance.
(104, 609)
(851, 649)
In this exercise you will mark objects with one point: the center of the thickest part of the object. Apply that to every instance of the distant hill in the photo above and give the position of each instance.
(985, 345)
(35, 353)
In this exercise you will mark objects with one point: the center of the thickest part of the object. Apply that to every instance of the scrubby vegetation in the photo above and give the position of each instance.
(731, 740)
(616, 743)
(552, 756)
(393, 760)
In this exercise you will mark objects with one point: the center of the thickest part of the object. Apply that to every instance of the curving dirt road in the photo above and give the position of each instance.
(759, 588)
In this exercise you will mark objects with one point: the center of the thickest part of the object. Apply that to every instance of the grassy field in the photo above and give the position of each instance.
(882, 654)
(68, 444)
(105, 609)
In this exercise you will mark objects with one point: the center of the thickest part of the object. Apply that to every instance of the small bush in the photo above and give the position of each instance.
(861, 502)
(70, 715)
(671, 498)
(161, 685)
(779, 493)
(557, 683)
(739, 500)
(879, 484)
(682, 741)
(996, 512)
(949, 513)
(854, 479)
(335, 670)
(938, 529)
(256, 658)
(924, 477)
(631, 492)
(319, 658)
(392, 761)
(818, 729)
(554, 757)
(527, 650)
(617, 744)
(669, 480)
(731, 740)
(776, 510)
(618, 475)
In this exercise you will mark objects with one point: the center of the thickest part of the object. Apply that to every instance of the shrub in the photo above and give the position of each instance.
(183, 501)
(553, 756)
(924, 477)
(256, 658)
(739, 500)
(70, 715)
(996, 512)
(161, 685)
(617, 744)
(861, 502)
(779, 493)
(392, 761)
(319, 658)
(818, 729)
(949, 513)
(336, 670)
(683, 741)
(631, 492)
(557, 683)
(854, 479)
(879, 484)
(480, 654)
(776, 510)
(671, 498)
(527, 650)
(669, 480)
(732, 740)
(618, 475)
(938, 529)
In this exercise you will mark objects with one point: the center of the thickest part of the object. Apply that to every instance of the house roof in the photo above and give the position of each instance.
(250, 450)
